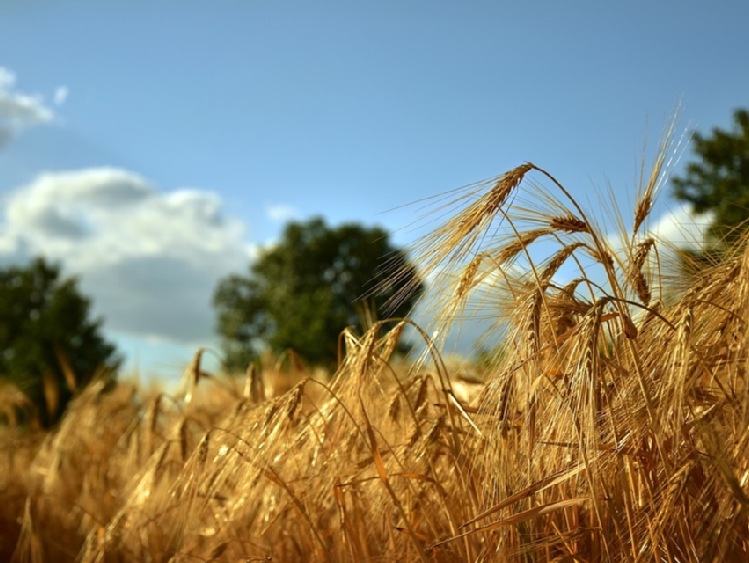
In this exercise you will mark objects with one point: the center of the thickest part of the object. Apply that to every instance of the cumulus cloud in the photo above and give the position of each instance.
(677, 228)
(682, 228)
(150, 259)
(281, 213)
(61, 95)
(18, 111)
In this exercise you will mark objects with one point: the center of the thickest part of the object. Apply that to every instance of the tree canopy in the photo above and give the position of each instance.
(717, 180)
(302, 292)
(49, 345)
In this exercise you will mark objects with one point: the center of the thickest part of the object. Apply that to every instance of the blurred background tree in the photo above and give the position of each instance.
(717, 181)
(49, 347)
(302, 292)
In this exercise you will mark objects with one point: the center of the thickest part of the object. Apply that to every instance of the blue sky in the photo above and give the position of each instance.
(150, 147)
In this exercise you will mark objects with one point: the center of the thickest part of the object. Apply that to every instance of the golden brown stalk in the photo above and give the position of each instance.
(636, 273)
(569, 223)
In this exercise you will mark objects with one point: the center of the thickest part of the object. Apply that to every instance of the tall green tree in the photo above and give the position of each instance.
(302, 292)
(49, 345)
(717, 180)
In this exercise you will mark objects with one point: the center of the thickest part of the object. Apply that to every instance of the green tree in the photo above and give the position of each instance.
(302, 292)
(49, 345)
(718, 180)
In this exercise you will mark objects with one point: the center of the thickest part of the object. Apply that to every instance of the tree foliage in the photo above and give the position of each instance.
(301, 293)
(717, 180)
(49, 346)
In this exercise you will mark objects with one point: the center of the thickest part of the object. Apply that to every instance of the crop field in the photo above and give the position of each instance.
(612, 424)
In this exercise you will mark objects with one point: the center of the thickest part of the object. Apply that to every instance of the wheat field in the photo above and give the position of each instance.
(611, 425)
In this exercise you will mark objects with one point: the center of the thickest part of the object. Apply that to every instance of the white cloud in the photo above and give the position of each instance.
(61, 95)
(682, 228)
(677, 228)
(281, 213)
(18, 111)
(149, 259)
